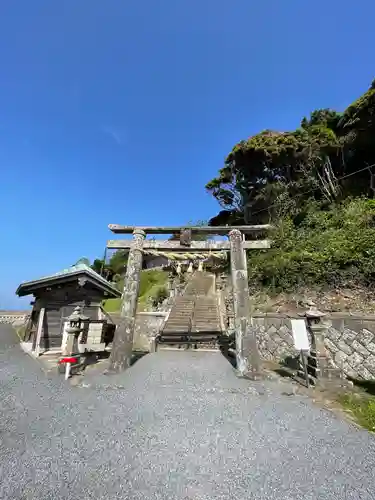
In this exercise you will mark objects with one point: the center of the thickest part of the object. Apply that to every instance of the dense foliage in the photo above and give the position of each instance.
(271, 173)
(333, 246)
(114, 268)
(313, 184)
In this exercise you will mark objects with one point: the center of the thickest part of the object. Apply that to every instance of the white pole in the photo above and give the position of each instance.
(67, 371)
(39, 331)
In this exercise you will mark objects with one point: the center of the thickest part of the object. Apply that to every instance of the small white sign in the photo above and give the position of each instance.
(300, 336)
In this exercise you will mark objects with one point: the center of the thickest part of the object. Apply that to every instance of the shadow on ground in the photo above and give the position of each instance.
(96, 358)
(366, 385)
(229, 356)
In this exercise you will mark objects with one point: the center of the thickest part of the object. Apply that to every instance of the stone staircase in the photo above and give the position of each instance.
(180, 317)
(206, 315)
(201, 283)
(194, 317)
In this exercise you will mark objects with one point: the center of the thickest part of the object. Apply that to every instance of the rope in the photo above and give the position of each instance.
(186, 256)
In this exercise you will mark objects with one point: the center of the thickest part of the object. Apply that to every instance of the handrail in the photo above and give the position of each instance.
(191, 318)
(220, 304)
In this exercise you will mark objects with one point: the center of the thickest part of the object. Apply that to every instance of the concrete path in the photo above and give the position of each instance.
(177, 425)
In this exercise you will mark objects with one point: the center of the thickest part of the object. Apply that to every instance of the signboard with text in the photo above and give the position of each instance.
(300, 335)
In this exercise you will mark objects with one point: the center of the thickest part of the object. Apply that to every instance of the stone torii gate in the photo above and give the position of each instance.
(123, 341)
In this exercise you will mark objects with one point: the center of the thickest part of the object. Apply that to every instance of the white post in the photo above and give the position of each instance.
(64, 340)
(39, 331)
(67, 371)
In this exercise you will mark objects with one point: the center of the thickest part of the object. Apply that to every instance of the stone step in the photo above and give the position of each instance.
(201, 307)
(182, 338)
(200, 323)
(200, 347)
(212, 325)
(171, 326)
(180, 310)
(202, 333)
(205, 316)
(206, 322)
(208, 328)
(213, 321)
(177, 321)
(180, 314)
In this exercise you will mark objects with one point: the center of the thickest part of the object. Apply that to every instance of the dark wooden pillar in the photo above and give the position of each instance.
(247, 362)
(123, 341)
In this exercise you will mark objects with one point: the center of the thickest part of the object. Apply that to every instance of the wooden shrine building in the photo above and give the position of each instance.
(55, 298)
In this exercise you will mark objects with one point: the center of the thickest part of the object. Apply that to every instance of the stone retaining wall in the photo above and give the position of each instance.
(14, 317)
(349, 341)
(147, 326)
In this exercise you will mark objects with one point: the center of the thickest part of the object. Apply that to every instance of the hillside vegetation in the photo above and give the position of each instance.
(152, 289)
(315, 185)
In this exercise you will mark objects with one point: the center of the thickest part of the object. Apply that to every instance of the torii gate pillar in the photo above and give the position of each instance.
(250, 365)
(121, 353)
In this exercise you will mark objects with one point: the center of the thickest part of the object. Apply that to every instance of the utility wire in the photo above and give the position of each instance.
(312, 190)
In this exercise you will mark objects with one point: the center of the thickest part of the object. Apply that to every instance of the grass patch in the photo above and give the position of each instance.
(112, 305)
(152, 285)
(21, 332)
(362, 406)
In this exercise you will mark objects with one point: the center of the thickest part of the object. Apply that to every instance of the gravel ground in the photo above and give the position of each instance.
(177, 425)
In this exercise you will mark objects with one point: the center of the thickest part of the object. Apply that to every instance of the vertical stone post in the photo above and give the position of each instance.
(247, 362)
(122, 348)
(70, 347)
(75, 326)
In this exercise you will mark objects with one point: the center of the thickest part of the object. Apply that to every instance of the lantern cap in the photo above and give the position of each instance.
(77, 315)
(313, 312)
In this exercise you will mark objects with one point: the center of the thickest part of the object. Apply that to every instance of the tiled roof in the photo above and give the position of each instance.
(76, 269)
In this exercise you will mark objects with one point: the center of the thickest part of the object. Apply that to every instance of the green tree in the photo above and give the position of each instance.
(118, 262)
(98, 265)
(271, 172)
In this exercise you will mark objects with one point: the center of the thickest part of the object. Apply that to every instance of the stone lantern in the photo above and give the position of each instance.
(318, 329)
(76, 324)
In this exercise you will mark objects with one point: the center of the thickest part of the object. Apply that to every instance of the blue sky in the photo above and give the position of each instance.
(119, 111)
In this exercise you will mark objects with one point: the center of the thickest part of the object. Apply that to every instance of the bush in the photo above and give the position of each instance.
(327, 245)
(362, 408)
(151, 281)
(160, 294)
